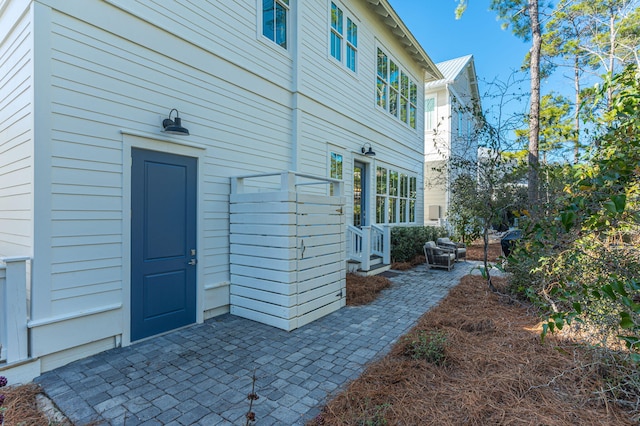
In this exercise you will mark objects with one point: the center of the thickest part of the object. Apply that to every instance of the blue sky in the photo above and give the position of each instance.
(497, 52)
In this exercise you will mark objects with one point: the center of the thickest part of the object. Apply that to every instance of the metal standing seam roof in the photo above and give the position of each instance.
(450, 70)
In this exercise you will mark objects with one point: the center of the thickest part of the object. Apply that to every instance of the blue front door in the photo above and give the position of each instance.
(163, 242)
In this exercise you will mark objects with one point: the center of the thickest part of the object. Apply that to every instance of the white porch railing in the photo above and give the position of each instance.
(355, 243)
(377, 241)
(364, 242)
(13, 309)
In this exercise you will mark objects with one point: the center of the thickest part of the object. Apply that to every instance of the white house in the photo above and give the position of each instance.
(452, 105)
(162, 163)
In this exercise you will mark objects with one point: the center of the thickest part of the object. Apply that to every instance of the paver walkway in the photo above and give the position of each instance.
(202, 374)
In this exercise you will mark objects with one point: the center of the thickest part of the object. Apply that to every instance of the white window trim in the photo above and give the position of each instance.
(434, 124)
(266, 40)
(412, 78)
(346, 14)
(331, 148)
(398, 197)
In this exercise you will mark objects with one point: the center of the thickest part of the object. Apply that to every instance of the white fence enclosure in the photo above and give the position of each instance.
(13, 310)
(287, 245)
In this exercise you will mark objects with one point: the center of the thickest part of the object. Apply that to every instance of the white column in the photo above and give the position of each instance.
(366, 248)
(16, 309)
(386, 249)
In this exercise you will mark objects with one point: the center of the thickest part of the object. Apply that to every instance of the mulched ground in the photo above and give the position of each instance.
(475, 251)
(22, 408)
(363, 290)
(495, 371)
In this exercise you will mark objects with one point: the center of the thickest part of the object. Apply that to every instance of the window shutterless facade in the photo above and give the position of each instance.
(275, 21)
(344, 37)
(395, 197)
(396, 92)
(335, 168)
(430, 113)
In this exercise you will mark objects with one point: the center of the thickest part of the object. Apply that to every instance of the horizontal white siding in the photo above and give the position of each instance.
(121, 66)
(436, 144)
(353, 95)
(16, 129)
(226, 29)
(102, 83)
(435, 188)
(339, 105)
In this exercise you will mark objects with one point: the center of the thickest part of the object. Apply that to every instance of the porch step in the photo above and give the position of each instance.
(376, 268)
(375, 260)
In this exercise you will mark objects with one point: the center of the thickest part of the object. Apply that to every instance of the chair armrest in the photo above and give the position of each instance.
(445, 249)
(447, 245)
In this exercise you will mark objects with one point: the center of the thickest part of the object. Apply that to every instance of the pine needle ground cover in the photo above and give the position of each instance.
(477, 359)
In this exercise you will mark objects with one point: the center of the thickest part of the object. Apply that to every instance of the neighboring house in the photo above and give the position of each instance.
(451, 123)
(117, 223)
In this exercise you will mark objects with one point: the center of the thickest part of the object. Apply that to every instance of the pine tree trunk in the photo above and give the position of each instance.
(534, 112)
(576, 113)
(612, 54)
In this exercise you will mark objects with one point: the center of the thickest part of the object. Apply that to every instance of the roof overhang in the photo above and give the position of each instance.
(473, 80)
(391, 19)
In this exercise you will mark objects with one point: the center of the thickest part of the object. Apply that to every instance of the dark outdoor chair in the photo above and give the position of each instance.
(438, 257)
(459, 248)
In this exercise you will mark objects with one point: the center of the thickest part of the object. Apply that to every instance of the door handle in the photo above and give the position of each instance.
(193, 262)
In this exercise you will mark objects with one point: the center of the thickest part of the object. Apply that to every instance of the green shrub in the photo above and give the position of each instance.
(428, 346)
(408, 242)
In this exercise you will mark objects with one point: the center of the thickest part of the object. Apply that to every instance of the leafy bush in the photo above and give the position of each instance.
(408, 242)
(428, 346)
(582, 257)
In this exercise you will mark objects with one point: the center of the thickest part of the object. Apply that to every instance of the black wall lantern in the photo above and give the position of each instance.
(174, 127)
(368, 152)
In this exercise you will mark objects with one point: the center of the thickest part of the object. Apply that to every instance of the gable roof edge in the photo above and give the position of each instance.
(391, 19)
(451, 70)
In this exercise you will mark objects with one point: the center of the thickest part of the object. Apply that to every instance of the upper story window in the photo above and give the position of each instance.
(344, 37)
(396, 92)
(430, 113)
(275, 18)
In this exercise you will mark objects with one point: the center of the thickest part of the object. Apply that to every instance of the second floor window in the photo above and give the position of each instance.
(430, 113)
(344, 38)
(275, 15)
(396, 92)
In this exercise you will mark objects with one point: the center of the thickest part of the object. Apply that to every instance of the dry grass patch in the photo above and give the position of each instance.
(22, 407)
(492, 369)
(363, 290)
(475, 251)
(405, 266)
